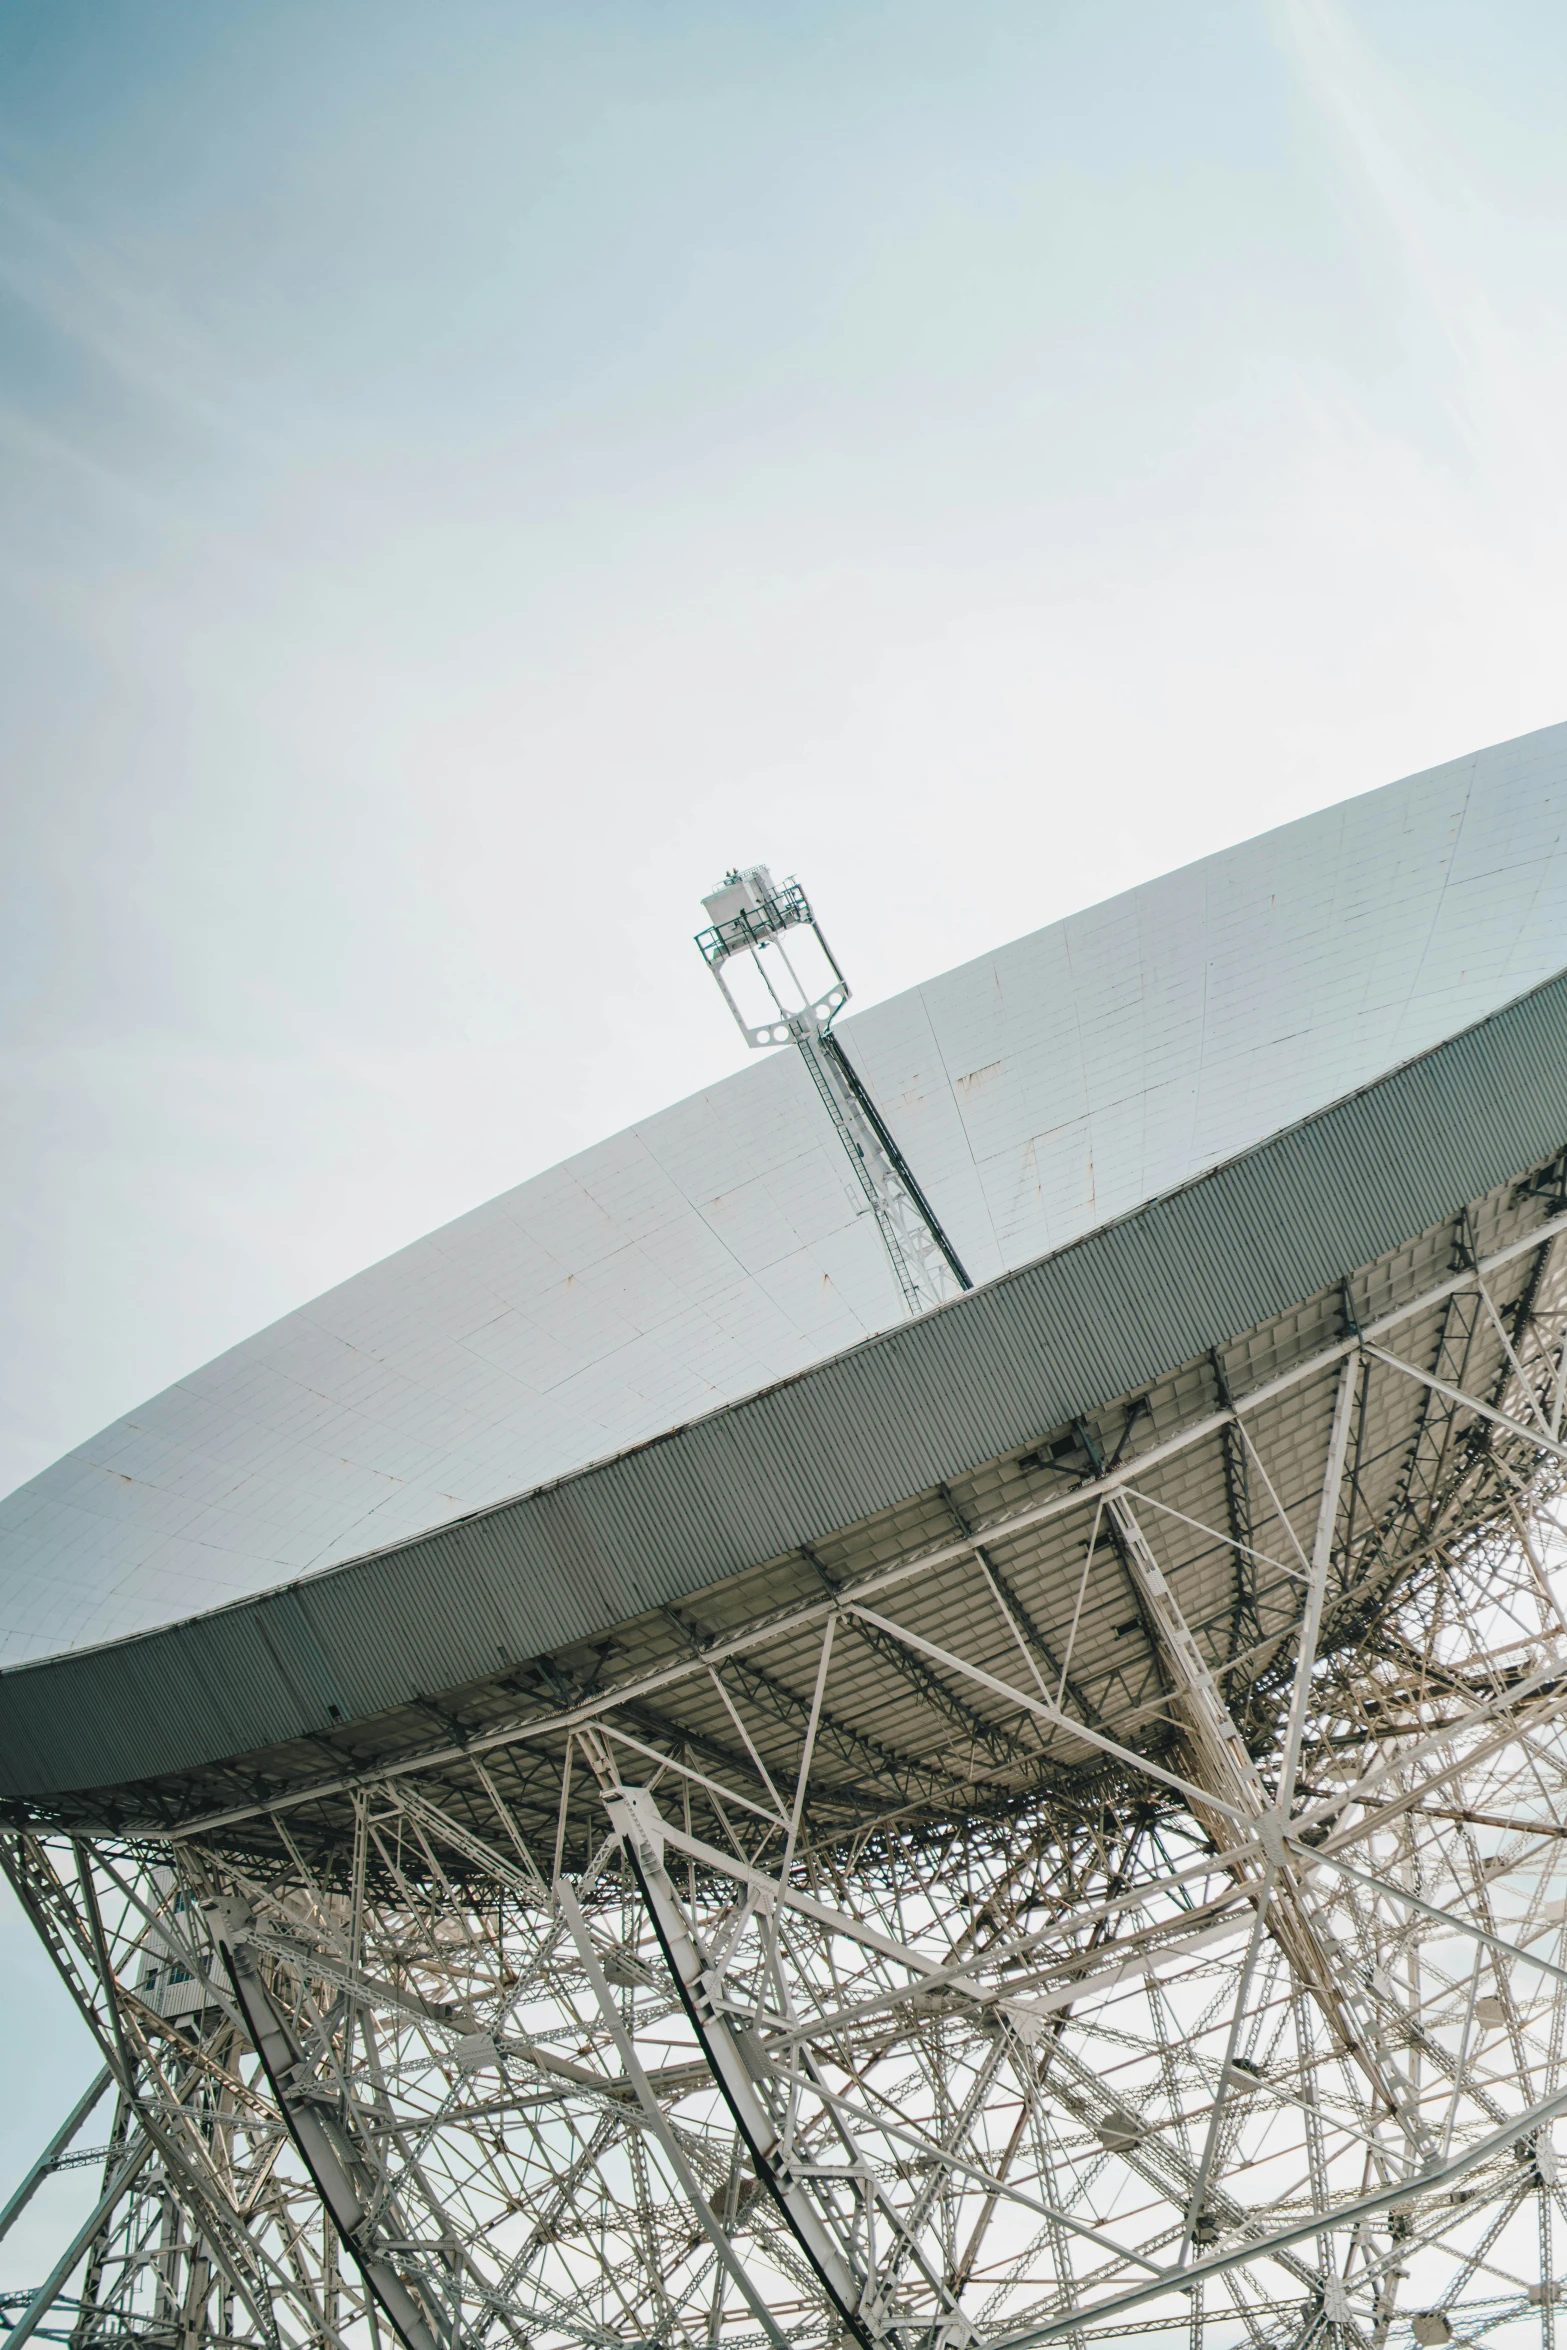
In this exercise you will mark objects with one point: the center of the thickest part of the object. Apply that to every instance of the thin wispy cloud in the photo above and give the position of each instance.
(1416, 201)
(99, 351)
(1377, 135)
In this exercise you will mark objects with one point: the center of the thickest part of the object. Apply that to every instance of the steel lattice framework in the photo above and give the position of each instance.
(1119, 1895)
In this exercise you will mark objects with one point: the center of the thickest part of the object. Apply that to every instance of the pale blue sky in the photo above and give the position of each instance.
(471, 472)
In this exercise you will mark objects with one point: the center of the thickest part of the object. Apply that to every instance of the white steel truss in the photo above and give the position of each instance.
(928, 1272)
(1121, 1897)
(759, 927)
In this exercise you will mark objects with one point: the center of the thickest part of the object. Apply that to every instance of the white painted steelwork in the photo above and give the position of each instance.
(768, 932)
(1109, 1881)
(1121, 1894)
(723, 1244)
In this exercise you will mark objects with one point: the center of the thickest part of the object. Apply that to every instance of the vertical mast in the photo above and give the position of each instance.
(768, 927)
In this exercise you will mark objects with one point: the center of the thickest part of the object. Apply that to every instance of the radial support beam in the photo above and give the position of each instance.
(346, 2177)
(1317, 1588)
(702, 2207)
(1220, 1764)
(824, 2236)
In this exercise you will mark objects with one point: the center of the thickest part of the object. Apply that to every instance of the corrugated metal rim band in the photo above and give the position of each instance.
(985, 1375)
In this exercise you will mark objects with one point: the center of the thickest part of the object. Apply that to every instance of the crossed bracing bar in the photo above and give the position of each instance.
(1245, 2025)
